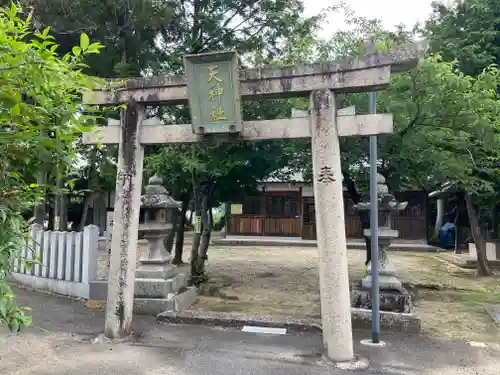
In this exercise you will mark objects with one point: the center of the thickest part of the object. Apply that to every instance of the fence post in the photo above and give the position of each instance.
(23, 257)
(70, 256)
(37, 231)
(54, 236)
(31, 250)
(61, 255)
(89, 258)
(47, 238)
(77, 274)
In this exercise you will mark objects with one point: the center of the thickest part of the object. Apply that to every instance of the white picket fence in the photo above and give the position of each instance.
(66, 261)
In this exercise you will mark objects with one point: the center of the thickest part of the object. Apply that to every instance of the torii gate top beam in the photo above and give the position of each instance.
(351, 74)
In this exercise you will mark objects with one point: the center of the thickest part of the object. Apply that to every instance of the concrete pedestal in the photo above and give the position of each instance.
(172, 302)
(387, 277)
(393, 296)
(392, 301)
(160, 287)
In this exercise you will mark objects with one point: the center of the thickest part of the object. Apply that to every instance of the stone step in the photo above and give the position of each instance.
(185, 299)
(158, 287)
(178, 282)
(385, 283)
(164, 272)
(152, 288)
(173, 302)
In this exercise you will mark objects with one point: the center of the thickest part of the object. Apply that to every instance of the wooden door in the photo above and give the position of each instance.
(309, 219)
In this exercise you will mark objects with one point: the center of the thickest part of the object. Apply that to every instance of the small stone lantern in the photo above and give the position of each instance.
(393, 295)
(159, 285)
(159, 209)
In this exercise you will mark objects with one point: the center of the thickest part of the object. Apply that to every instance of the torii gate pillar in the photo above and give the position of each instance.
(330, 227)
(121, 277)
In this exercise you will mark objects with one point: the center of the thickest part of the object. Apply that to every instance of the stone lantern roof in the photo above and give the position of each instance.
(386, 201)
(157, 196)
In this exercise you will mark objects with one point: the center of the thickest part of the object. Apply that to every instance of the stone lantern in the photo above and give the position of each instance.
(158, 285)
(159, 209)
(392, 293)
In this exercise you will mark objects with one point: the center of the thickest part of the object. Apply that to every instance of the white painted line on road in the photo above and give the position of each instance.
(369, 342)
(269, 330)
(477, 344)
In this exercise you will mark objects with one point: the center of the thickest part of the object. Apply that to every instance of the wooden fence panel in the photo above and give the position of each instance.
(246, 225)
(410, 228)
(278, 226)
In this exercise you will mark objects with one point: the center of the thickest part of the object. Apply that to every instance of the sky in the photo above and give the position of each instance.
(390, 12)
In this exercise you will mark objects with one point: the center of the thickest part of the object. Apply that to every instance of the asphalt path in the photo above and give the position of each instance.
(66, 339)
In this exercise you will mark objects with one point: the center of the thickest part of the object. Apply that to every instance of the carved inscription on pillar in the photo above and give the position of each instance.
(325, 175)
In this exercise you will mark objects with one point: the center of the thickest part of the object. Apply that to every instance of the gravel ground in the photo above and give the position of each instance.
(284, 281)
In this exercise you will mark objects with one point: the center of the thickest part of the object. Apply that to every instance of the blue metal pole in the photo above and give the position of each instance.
(375, 266)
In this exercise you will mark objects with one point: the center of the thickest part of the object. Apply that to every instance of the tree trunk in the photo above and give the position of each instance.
(169, 240)
(457, 229)
(207, 224)
(439, 217)
(494, 222)
(190, 220)
(225, 228)
(197, 235)
(181, 225)
(39, 212)
(52, 213)
(63, 212)
(89, 197)
(86, 205)
(61, 206)
(364, 217)
(210, 217)
(483, 268)
(57, 204)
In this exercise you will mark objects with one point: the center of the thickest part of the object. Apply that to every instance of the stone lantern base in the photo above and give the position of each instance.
(159, 285)
(393, 296)
(392, 301)
(162, 287)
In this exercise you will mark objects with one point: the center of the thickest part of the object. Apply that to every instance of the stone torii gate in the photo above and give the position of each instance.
(321, 82)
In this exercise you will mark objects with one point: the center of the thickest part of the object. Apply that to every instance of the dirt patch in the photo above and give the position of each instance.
(284, 281)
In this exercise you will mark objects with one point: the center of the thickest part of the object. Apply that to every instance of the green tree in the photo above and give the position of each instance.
(144, 36)
(127, 28)
(248, 27)
(447, 131)
(41, 119)
(445, 127)
(242, 25)
(213, 174)
(354, 150)
(468, 31)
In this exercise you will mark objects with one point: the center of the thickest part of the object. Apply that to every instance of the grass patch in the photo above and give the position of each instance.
(284, 281)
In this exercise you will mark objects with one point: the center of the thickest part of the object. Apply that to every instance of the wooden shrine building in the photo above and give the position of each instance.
(287, 209)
